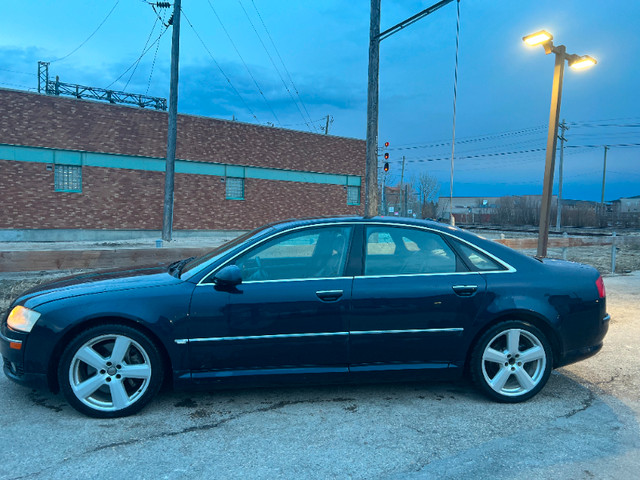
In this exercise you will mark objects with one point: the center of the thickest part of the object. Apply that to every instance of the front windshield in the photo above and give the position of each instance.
(196, 264)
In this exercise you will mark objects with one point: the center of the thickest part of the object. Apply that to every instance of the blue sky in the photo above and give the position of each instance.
(504, 87)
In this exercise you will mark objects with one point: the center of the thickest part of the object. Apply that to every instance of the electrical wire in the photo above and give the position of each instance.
(155, 56)
(15, 71)
(455, 98)
(90, 36)
(143, 49)
(284, 83)
(481, 138)
(220, 68)
(295, 88)
(144, 52)
(244, 63)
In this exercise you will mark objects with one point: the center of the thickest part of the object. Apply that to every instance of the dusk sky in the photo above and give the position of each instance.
(504, 87)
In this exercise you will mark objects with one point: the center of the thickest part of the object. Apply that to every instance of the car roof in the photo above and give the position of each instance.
(299, 222)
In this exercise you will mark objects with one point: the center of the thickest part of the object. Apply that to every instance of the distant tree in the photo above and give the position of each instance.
(427, 188)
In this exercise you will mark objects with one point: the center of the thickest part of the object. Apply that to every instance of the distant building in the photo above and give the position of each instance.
(627, 205)
(69, 165)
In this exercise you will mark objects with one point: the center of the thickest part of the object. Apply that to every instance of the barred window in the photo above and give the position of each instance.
(353, 195)
(235, 188)
(67, 178)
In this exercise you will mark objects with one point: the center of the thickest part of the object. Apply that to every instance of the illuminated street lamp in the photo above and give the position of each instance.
(545, 39)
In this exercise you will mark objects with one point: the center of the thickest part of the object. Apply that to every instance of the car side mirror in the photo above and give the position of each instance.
(229, 276)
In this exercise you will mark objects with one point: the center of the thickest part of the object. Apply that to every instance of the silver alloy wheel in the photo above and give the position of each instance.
(110, 372)
(514, 362)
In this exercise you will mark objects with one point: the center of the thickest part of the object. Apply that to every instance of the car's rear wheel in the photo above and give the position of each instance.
(110, 371)
(511, 361)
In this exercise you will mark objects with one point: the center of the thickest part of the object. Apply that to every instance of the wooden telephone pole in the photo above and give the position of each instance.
(167, 218)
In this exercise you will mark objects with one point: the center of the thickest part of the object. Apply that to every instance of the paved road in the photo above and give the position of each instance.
(584, 424)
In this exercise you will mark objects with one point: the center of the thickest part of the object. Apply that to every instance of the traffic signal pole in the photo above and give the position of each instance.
(375, 37)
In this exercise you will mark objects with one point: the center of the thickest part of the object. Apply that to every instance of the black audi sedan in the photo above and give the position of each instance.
(313, 301)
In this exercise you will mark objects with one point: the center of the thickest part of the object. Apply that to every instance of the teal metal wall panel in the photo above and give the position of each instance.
(91, 159)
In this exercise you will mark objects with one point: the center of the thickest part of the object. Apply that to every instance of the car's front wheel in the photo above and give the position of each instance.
(110, 371)
(511, 361)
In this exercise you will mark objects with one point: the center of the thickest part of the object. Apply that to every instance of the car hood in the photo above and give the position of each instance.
(97, 282)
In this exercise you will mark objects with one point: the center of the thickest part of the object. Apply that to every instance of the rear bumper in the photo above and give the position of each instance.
(575, 355)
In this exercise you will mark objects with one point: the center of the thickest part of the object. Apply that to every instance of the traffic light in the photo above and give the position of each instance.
(386, 167)
(386, 155)
(386, 144)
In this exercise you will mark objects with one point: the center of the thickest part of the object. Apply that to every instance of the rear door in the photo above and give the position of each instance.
(412, 303)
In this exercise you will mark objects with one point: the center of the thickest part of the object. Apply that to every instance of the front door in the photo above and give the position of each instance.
(288, 316)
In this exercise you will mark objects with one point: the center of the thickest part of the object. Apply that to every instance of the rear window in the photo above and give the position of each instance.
(478, 260)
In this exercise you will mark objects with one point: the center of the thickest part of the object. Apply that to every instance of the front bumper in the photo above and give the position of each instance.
(12, 351)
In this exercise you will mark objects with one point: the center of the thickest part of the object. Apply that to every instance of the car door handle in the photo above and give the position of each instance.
(465, 290)
(329, 295)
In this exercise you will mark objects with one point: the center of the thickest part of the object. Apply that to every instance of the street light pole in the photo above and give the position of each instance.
(545, 39)
(550, 160)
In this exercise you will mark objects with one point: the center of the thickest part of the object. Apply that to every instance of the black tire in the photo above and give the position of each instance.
(511, 362)
(110, 371)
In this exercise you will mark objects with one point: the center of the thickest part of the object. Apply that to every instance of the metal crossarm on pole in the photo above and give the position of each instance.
(411, 20)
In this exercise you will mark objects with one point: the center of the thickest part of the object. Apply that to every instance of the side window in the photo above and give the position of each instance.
(479, 260)
(407, 251)
(309, 253)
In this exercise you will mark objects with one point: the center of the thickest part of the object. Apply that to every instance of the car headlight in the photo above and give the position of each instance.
(22, 319)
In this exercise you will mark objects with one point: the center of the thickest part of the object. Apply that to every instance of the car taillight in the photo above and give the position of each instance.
(600, 285)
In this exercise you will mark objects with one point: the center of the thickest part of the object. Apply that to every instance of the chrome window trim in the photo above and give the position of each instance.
(301, 227)
(509, 268)
(183, 341)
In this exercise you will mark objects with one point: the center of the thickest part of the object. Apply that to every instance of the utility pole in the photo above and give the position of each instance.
(604, 174)
(167, 219)
(563, 127)
(375, 37)
(371, 167)
(326, 127)
(401, 188)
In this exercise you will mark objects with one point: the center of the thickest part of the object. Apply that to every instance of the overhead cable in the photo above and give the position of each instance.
(220, 68)
(284, 83)
(90, 36)
(244, 63)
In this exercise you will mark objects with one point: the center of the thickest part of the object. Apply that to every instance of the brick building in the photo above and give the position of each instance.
(81, 165)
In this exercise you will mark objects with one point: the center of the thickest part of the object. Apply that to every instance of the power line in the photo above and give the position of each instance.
(143, 49)
(481, 138)
(244, 63)
(295, 88)
(277, 70)
(24, 87)
(219, 67)
(15, 71)
(144, 52)
(90, 36)
(621, 145)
